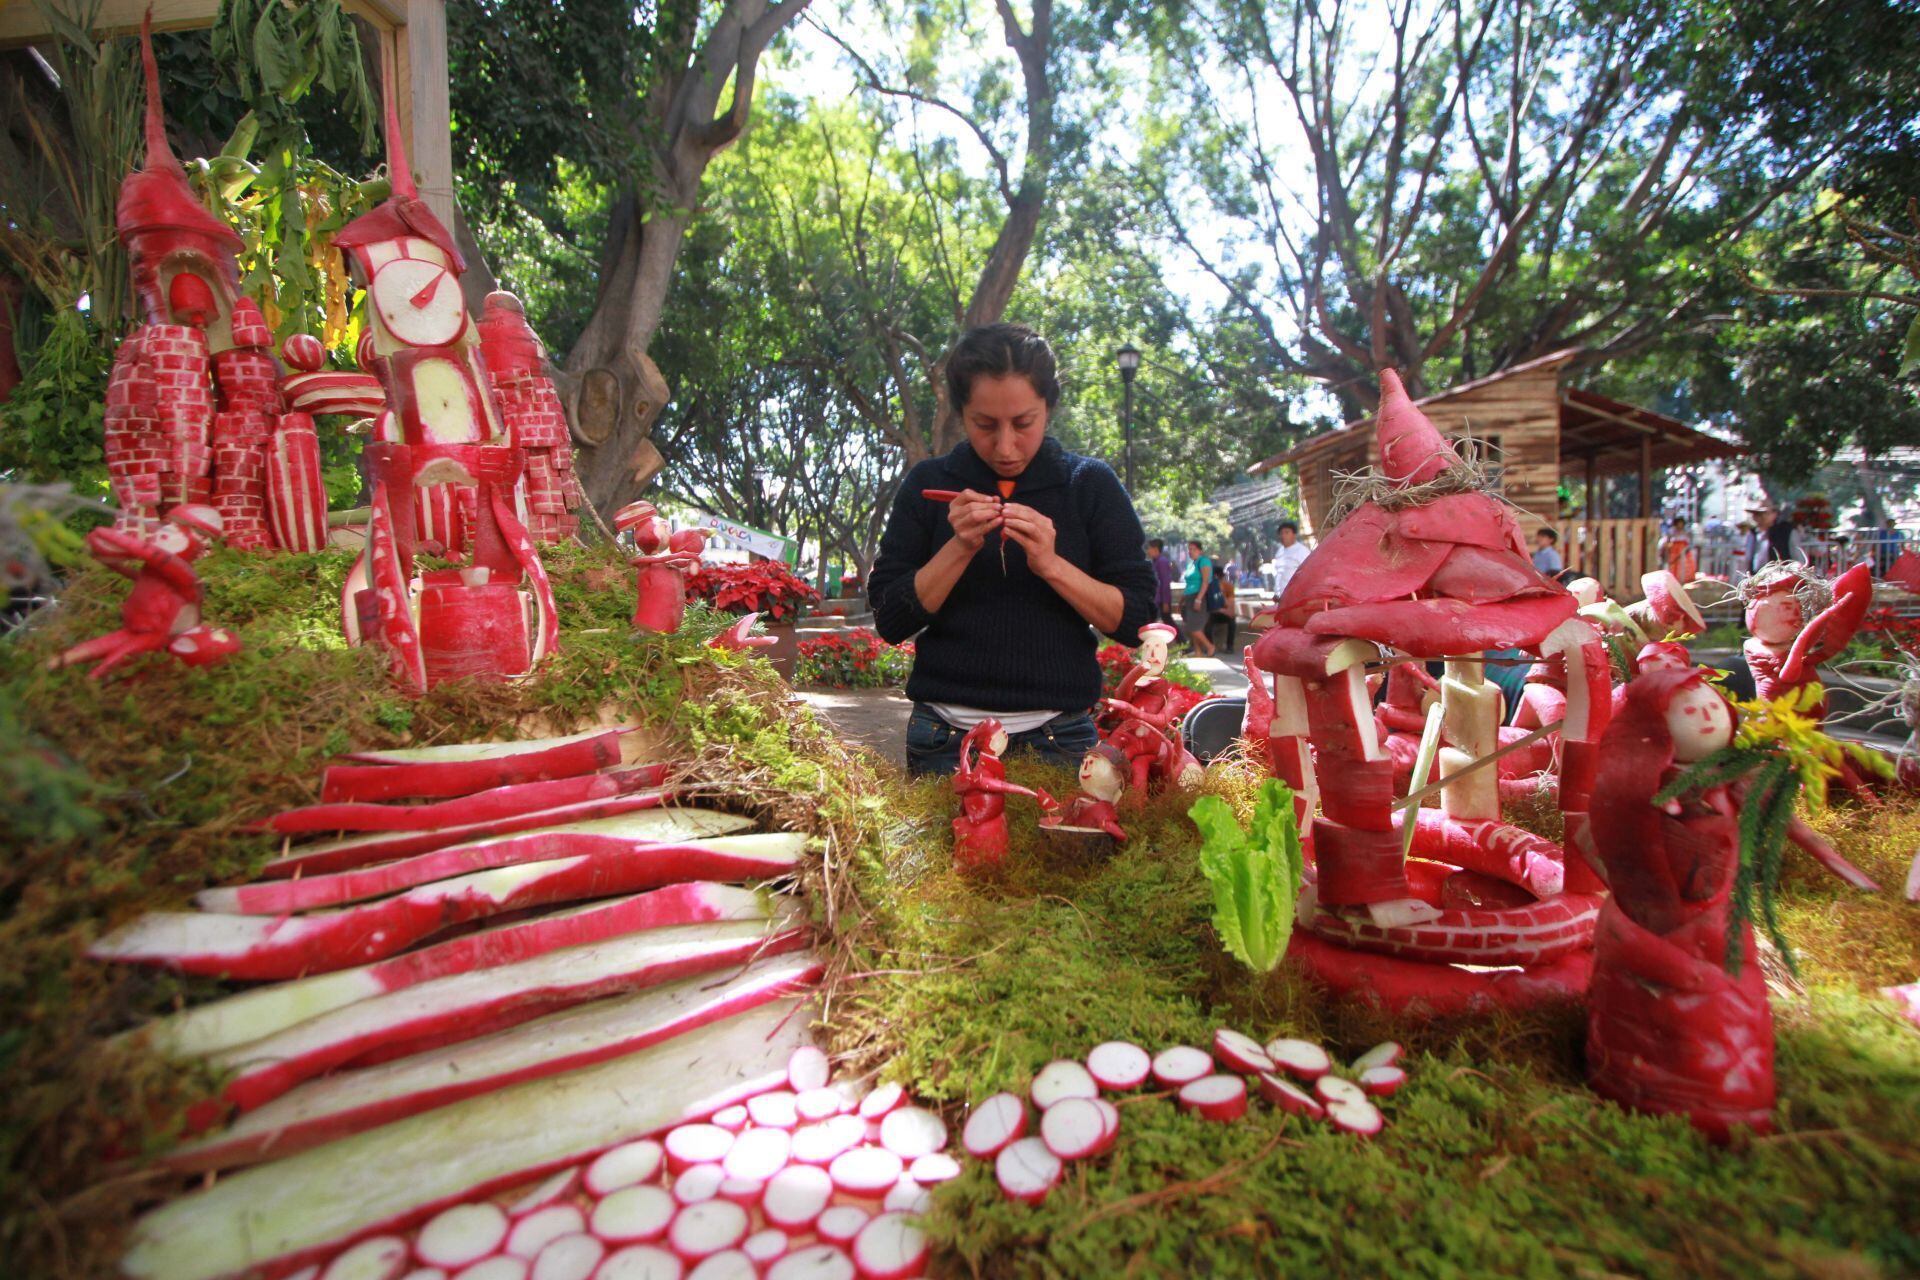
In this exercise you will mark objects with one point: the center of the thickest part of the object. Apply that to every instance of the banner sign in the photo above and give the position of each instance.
(758, 541)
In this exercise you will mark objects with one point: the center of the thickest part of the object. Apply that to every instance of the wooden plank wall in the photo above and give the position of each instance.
(1616, 552)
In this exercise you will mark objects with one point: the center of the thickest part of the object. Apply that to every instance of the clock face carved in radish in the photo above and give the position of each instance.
(419, 302)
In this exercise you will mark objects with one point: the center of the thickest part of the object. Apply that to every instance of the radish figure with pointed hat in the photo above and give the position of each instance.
(163, 609)
(980, 832)
(1139, 719)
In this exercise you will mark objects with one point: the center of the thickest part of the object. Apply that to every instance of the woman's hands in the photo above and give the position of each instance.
(973, 516)
(1035, 535)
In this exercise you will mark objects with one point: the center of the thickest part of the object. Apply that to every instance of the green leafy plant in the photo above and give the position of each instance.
(1255, 873)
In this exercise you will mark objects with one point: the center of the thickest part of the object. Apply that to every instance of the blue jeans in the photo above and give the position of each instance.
(933, 745)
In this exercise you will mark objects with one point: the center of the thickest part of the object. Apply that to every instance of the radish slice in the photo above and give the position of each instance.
(499, 1267)
(624, 1166)
(1301, 1059)
(1240, 1053)
(866, 1171)
(698, 1183)
(1356, 1116)
(1026, 1170)
(912, 1132)
(935, 1168)
(633, 1213)
(808, 1068)
(758, 1154)
(381, 1258)
(890, 1248)
(1073, 1128)
(1062, 1078)
(840, 1224)
(732, 1119)
(1180, 1065)
(996, 1122)
(1290, 1097)
(560, 1184)
(424, 1273)
(728, 1264)
(1216, 1097)
(1118, 1065)
(820, 1143)
(693, 1144)
(907, 1196)
(1331, 1089)
(465, 1233)
(765, 1246)
(882, 1100)
(568, 1258)
(819, 1104)
(702, 1229)
(541, 1228)
(820, 1262)
(1381, 1081)
(418, 1273)
(745, 1192)
(1109, 1116)
(795, 1196)
(773, 1110)
(641, 1262)
(1385, 1054)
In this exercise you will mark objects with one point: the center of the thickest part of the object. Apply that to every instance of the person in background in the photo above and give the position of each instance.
(1287, 557)
(1676, 550)
(1198, 594)
(1887, 546)
(1162, 580)
(1546, 553)
(1771, 538)
(1224, 615)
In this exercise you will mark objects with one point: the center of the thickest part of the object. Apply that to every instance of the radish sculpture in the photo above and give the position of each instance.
(162, 612)
(980, 832)
(1096, 810)
(1140, 720)
(664, 560)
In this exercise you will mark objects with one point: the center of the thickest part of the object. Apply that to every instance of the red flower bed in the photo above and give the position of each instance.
(766, 586)
(856, 659)
(1896, 636)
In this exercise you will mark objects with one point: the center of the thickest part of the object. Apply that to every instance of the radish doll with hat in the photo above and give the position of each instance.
(163, 609)
(980, 832)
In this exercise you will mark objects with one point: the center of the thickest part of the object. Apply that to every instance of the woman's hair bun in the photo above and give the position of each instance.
(996, 351)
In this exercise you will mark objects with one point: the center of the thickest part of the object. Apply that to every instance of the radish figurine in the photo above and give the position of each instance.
(1240, 1053)
(1216, 1097)
(381, 1258)
(841, 1224)
(702, 1229)
(912, 1132)
(465, 1233)
(994, 1124)
(890, 1248)
(818, 1262)
(641, 1262)
(1119, 1066)
(568, 1258)
(625, 1165)
(1180, 1065)
(1301, 1059)
(1290, 1097)
(795, 1196)
(1074, 1128)
(1382, 1081)
(633, 1213)
(1027, 1171)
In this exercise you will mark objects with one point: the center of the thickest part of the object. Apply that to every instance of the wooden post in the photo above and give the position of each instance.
(1590, 552)
(425, 106)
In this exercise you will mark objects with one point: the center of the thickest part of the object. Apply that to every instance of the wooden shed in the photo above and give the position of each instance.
(1533, 433)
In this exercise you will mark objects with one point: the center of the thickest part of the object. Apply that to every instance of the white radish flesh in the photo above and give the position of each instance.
(541, 1228)
(1119, 1066)
(818, 1104)
(890, 1248)
(773, 1110)
(912, 1132)
(381, 1258)
(1216, 1097)
(1060, 1079)
(732, 1119)
(698, 1183)
(626, 1165)
(465, 1233)
(820, 1143)
(1073, 1128)
(882, 1100)
(1359, 1117)
(568, 1258)
(1385, 1054)
(1290, 1097)
(930, 1169)
(549, 1191)
(996, 1122)
(418, 1273)
(1240, 1053)
(693, 1144)
(633, 1213)
(728, 1264)
(795, 1196)
(866, 1171)
(766, 1245)
(745, 1192)
(1109, 1116)
(907, 1196)
(1331, 1089)
(840, 1224)
(808, 1069)
(758, 1154)
(1381, 1081)
(499, 1267)
(702, 1229)
(1026, 1170)
(818, 1262)
(640, 1262)
(1180, 1065)
(1301, 1059)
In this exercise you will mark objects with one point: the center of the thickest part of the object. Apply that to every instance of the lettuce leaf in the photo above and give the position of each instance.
(1255, 873)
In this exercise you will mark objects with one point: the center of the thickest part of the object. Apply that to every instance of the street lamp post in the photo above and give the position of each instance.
(1128, 358)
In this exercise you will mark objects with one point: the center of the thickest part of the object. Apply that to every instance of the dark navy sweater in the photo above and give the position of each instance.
(1011, 643)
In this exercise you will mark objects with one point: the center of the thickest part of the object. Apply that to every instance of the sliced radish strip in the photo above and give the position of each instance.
(1110, 1116)
(912, 1132)
(692, 1144)
(703, 1229)
(890, 1248)
(1240, 1053)
(1180, 1065)
(808, 1068)
(907, 1196)
(882, 1100)
(1385, 1054)
(1331, 1089)
(1301, 1059)
(1382, 1081)
(1359, 1117)
(819, 1104)
(866, 1171)
(1290, 1097)
(624, 1166)
(994, 1124)
(560, 1184)
(499, 1267)
(568, 1258)
(1060, 1079)
(765, 1246)
(795, 1196)
(819, 1262)
(1216, 1097)
(1026, 1170)
(465, 1233)
(931, 1169)
(1118, 1065)
(634, 1213)
(418, 1273)
(541, 1228)
(732, 1119)
(641, 1262)
(773, 1110)
(840, 1224)
(728, 1264)
(1073, 1128)
(820, 1143)
(381, 1258)
(758, 1154)
(745, 1192)
(698, 1183)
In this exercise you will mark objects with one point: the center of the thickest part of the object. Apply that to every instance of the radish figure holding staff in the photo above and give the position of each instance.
(665, 559)
(1139, 718)
(980, 832)
(163, 609)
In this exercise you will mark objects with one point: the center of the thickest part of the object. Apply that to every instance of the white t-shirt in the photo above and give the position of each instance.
(1012, 721)
(1286, 563)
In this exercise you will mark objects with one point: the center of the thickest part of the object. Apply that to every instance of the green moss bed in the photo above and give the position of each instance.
(129, 796)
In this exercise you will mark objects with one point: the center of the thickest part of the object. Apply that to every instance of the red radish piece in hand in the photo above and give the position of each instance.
(840, 1224)
(996, 1122)
(866, 1171)
(808, 1069)
(773, 1110)
(1180, 1065)
(1385, 1054)
(1301, 1059)
(549, 1191)
(890, 1248)
(1119, 1066)
(1216, 1097)
(1290, 1097)
(1073, 1128)
(818, 1262)
(1381, 1081)
(568, 1258)
(758, 1154)
(728, 1264)
(1240, 1053)
(465, 1233)
(381, 1258)
(882, 1100)
(1332, 1089)
(930, 1169)
(1026, 1170)
(912, 1132)
(692, 1144)
(625, 1165)
(698, 1183)
(765, 1246)
(795, 1196)
(633, 1213)
(1360, 1117)
(1060, 1079)
(820, 1143)
(541, 1228)
(702, 1229)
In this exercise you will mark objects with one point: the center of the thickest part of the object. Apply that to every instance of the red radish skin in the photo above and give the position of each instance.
(820, 1143)
(882, 1100)
(381, 1258)
(1290, 1097)
(1332, 1089)
(866, 1172)
(500, 802)
(698, 1183)
(1110, 1116)
(840, 1224)
(817, 1262)
(1059, 1080)
(732, 1119)
(1240, 1053)
(465, 1233)
(626, 1165)
(1386, 1054)
(568, 1258)
(430, 779)
(1382, 1081)
(890, 1248)
(774, 1110)
(1073, 1128)
(548, 1192)
(693, 1144)
(538, 1230)
(758, 1154)
(796, 1196)
(1357, 1117)
(935, 1168)
(633, 1214)
(640, 1262)
(1216, 1097)
(816, 1105)
(1180, 1065)
(706, 1228)
(912, 1132)
(907, 1196)
(1026, 1171)
(728, 1264)
(996, 1123)
(1301, 1059)
(809, 1069)
(765, 1246)
(1119, 1066)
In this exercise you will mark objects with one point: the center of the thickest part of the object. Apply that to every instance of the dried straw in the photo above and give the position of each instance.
(1355, 489)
